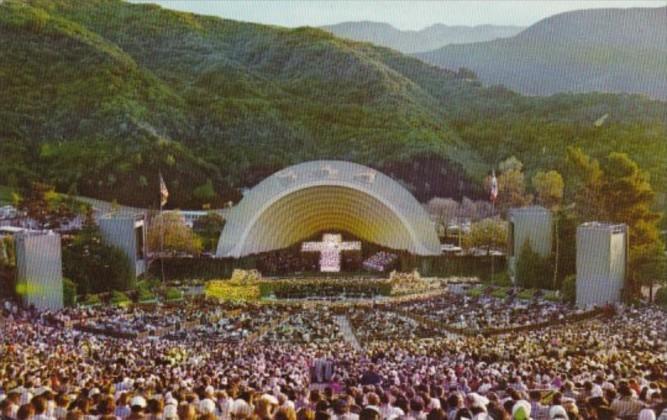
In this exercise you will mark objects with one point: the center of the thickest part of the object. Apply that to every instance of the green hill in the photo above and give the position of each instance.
(103, 94)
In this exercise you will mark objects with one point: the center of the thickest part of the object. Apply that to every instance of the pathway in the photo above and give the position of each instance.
(346, 330)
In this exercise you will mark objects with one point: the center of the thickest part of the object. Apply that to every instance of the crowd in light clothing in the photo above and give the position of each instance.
(602, 368)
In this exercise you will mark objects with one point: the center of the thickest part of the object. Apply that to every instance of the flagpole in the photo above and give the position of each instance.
(162, 221)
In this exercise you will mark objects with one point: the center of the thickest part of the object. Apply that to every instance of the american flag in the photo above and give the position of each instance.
(164, 192)
(494, 186)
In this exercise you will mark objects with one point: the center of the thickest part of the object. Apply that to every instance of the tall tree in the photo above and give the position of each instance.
(168, 232)
(487, 234)
(549, 188)
(443, 211)
(512, 186)
(616, 190)
(47, 208)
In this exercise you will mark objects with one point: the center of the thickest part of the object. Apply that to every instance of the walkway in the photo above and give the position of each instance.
(348, 334)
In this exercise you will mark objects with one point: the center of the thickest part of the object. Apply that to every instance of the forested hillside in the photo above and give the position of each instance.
(99, 96)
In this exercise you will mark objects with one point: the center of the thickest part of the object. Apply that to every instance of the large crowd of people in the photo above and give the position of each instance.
(279, 362)
(487, 312)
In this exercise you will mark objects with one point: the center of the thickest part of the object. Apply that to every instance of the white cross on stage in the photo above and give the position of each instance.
(330, 249)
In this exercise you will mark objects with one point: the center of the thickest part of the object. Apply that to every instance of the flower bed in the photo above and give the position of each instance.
(297, 289)
(230, 291)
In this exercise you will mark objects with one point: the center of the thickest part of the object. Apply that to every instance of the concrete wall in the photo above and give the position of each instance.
(534, 224)
(602, 251)
(39, 270)
(121, 231)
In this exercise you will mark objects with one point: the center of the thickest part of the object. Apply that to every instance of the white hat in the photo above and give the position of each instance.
(93, 392)
(209, 390)
(478, 400)
(206, 406)
(557, 411)
(138, 401)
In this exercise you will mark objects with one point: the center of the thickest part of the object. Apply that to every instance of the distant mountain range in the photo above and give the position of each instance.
(607, 50)
(427, 39)
(98, 96)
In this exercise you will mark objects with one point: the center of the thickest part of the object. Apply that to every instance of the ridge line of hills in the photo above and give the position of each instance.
(100, 96)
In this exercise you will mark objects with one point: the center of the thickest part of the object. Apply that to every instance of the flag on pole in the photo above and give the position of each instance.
(164, 192)
(494, 186)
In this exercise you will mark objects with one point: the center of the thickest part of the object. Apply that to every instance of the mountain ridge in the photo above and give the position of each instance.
(609, 50)
(216, 105)
(413, 41)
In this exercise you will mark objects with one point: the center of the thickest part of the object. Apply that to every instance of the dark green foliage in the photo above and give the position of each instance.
(98, 96)
(118, 298)
(172, 293)
(532, 270)
(286, 289)
(49, 209)
(661, 296)
(93, 266)
(569, 289)
(208, 228)
(7, 267)
(69, 292)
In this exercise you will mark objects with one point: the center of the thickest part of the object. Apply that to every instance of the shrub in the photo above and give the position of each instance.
(502, 279)
(552, 296)
(661, 296)
(94, 266)
(476, 291)
(69, 292)
(499, 293)
(119, 298)
(526, 294)
(92, 300)
(226, 290)
(325, 287)
(172, 293)
(533, 270)
(569, 289)
(144, 295)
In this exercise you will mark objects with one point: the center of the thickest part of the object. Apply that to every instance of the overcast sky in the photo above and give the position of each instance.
(401, 14)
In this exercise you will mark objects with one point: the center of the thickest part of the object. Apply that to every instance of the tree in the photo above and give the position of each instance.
(586, 184)
(569, 289)
(549, 188)
(443, 211)
(208, 228)
(168, 233)
(205, 193)
(488, 233)
(511, 186)
(618, 191)
(49, 209)
(94, 266)
(532, 270)
(7, 266)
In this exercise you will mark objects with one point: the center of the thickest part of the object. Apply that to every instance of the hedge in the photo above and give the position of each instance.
(296, 289)
(185, 268)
